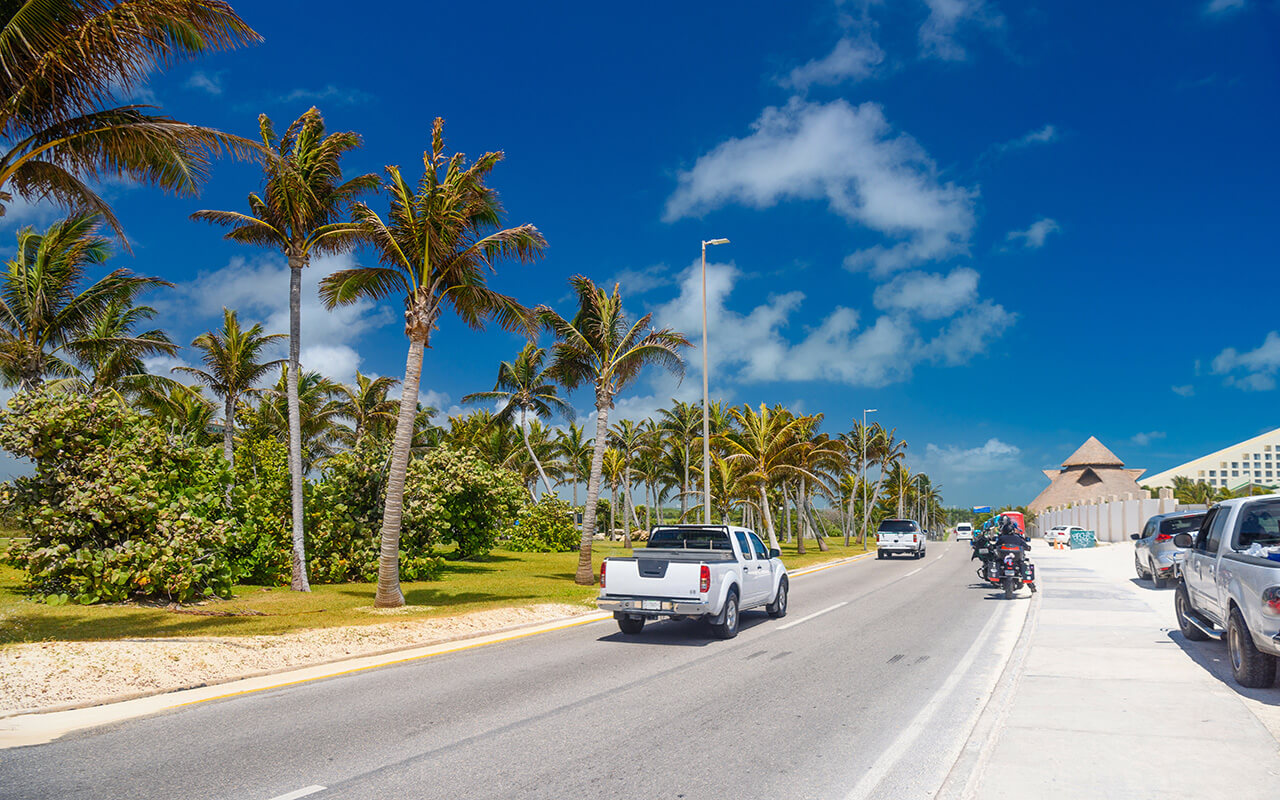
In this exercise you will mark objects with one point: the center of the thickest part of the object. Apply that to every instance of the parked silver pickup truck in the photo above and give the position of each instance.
(711, 572)
(1224, 592)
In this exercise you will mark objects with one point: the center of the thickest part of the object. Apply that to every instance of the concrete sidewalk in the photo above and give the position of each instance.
(1108, 699)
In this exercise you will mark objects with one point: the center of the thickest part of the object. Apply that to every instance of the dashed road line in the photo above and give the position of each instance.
(811, 616)
(296, 793)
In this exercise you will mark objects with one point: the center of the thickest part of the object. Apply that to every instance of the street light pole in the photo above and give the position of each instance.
(863, 464)
(706, 403)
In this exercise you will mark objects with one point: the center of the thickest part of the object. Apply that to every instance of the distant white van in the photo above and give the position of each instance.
(964, 532)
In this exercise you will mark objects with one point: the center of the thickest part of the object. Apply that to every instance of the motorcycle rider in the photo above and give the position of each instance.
(1010, 535)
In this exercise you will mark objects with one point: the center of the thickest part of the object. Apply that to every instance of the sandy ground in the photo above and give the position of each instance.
(46, 675)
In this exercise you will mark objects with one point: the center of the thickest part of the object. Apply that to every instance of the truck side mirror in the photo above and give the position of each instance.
(1183, 540)
(775, 552)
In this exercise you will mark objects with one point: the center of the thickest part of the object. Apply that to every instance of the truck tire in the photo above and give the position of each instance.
(630, 625)
(1137, 567)
(1182, 607)
(727, 628)
(1156, 580)
(778, 608)
(879, 554)
(1252, 668)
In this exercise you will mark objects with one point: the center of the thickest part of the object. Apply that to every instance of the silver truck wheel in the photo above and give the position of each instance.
(729, 627)
(778, 608)
(1252, 668)
(1182, 607)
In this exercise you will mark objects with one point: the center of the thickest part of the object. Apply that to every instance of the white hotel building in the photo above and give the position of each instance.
(1255, 461)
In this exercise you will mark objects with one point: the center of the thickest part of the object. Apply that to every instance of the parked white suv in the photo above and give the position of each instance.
(900, 536)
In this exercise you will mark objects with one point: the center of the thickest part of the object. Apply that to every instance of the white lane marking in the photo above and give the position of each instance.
(913, 572)
(897, 750)
(811, 616)
(303, 792)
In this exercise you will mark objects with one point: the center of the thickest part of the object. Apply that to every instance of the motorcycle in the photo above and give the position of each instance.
(1009, 569)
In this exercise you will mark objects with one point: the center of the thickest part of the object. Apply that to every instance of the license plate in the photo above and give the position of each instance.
(650, 605)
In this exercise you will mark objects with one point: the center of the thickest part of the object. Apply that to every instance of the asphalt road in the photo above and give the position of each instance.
(868, 688)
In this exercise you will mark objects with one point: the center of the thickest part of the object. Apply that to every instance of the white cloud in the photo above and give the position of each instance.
(994, 456)
(939, 34)
(854, 58)
(1223, 6)
(1259, 365)
(259, 290)
(1186, 390)
(969, 334)
(19, 213)
(208, 82)
(1033, 238)
(851, 158)
(928, 295)
(645, 279)
(329, 94)
(1144, 439)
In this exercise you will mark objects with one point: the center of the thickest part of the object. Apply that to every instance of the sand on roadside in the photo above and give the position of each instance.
(47, 675)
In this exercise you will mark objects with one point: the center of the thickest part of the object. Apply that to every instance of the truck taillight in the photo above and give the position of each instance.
(1163, 537)
(914, 538)
(704, 579)
(603, 564)
(1271, 601)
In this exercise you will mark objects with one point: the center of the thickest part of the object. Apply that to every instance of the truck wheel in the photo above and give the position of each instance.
(728, 628)
(1182, 607)
(630, 625)
(778, 608)
(1251, 668)
(1156, 580)
(879, 554)
(1137, 567)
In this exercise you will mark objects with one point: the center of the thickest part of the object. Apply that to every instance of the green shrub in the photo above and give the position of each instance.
(454, 496)
(261, 547)
(117, 507)
(344, 521)
(545, 527)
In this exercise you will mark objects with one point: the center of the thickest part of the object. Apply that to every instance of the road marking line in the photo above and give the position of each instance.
(303, 792)
(898, 748)
(913, 572)
(811, 616)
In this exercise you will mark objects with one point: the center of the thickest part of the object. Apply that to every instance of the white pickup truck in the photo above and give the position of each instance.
(900, 536)
(1224, 591)
(710, 572)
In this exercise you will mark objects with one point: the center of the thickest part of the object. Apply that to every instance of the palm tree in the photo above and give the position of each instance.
(111, 352)
(366, 405)
(683, 424)
(575, 452)
(301, 215)
(628, 438)
(612, 467)
(64, 65)
(886, 451)
(43, 309)
(232, 368)
(525, 386)
(770, 447)
(599, 346)
(183, 410)
(439, 244)
(318, 415)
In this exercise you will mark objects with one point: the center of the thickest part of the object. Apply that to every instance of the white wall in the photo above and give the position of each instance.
(1113, 519)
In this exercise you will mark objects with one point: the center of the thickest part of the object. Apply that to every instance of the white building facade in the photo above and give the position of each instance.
(1253, 461)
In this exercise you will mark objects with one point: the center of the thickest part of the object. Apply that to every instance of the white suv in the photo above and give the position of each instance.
(964, 532)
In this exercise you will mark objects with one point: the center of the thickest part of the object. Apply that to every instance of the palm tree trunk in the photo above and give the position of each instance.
(768, 517)
(818, 535)
(684, 488)
(388, 594)
(871, 504)
(800, 548)
(786, 513)
(628, 510)
(524, 433)
(586, 575)
(298, 582)
(229, 431)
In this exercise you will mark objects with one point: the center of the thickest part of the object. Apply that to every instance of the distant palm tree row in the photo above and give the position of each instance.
(433, 250)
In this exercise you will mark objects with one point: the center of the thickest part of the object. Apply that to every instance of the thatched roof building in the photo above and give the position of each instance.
(1090, 473)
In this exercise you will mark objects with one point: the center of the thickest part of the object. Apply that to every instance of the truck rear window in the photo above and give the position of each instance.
(1178, 525)
(898, 526)
(695, 538)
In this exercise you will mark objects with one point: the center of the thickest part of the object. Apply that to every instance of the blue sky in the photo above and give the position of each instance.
(1006, 226)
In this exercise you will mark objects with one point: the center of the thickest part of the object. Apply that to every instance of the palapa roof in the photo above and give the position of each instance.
(1093, 453)
(1091, 472)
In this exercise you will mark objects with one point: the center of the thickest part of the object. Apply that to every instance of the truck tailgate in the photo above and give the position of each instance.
(651, 577)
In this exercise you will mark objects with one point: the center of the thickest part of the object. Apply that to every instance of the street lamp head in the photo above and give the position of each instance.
(716, 241)
(869, 410)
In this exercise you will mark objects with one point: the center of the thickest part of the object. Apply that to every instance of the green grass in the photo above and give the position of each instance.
(501, 579)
